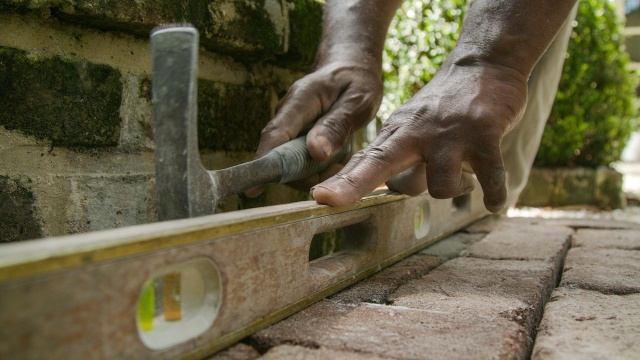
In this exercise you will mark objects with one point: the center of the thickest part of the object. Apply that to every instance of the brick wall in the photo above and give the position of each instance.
(76, 139)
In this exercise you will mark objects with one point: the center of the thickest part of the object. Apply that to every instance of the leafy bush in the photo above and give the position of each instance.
(420, 37)
(594, 113)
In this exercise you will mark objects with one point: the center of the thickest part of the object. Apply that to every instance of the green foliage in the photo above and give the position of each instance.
(594, 113)
(420, 37)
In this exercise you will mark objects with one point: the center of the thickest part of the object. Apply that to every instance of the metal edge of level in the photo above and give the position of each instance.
(37, 257)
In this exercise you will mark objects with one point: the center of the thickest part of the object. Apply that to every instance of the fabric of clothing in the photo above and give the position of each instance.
(520, 146)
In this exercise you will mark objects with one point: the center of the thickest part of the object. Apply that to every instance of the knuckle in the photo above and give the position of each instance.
(269, 129)
(364, 104)
(358, 157)
(274, 132)
(378, 154)
(336, 130)
(390, 127)
(298, 85)
(446, 184)
(349, 180)
(494, 181)
(442, 189)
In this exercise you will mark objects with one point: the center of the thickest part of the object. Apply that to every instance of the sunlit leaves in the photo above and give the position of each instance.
(420, 37)
(594, 112)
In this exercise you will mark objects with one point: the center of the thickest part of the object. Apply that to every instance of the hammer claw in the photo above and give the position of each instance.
(184, 187)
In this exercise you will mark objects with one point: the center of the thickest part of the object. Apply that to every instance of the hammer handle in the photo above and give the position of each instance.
(297, 163)
(288, 162)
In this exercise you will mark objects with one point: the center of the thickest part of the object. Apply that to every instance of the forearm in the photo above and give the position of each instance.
(355, 30)
(512, 33)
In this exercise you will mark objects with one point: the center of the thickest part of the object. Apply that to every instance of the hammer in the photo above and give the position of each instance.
(184, 187)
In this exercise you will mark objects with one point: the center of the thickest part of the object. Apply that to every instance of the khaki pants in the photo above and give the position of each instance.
(520, 146)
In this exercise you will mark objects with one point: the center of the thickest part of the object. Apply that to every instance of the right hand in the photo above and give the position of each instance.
(460, 116)
(331, 103)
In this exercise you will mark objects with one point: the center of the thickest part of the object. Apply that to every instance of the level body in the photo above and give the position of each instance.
(188, 288)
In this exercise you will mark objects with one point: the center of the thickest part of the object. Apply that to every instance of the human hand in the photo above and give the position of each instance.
(460, 116)
(330, 103)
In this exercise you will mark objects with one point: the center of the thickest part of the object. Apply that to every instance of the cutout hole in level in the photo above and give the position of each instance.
(461, 203)
(422, 220)
(341, 252)
(178, 303)
(326, 243)
(337, 242)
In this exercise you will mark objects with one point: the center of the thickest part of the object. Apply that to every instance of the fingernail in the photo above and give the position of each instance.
(325, 187)
(254, 192)
(325, 145)
(311, 192)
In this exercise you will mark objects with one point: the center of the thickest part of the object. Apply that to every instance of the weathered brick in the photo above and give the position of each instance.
(246, 29)
(452, 246)
(305, 24)
(237, 352)
(529, 242)
(231, 117)
(17, 213)
(299, 352)
(515, 290)
(484, 225)
(399, 332)
(377, 288)
(103, 201)
(610, 271)
(502, 223)
(580, 324)
(616, 239)
(70, 102)
(559, 187)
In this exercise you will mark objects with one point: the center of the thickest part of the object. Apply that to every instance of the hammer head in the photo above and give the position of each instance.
(185, 189)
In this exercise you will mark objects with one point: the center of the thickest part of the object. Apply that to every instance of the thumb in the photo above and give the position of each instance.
(331, 132)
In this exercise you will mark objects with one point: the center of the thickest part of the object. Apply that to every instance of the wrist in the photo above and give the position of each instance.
(513, 33)
(465, 54)
(354, 31)
(356, 55)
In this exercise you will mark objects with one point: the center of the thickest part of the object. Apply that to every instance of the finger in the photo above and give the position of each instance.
(354, 109)
(364, 173)
(489, 169)
(308, 182)
(255, 191)
(445, 178)
(348, 164)
(412, 181)
(300, 107)
(302, 184)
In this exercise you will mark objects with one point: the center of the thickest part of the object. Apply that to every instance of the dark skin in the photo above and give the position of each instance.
(459, 118)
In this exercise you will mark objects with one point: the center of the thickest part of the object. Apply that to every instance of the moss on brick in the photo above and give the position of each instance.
(305, 19)
(71, 103)
(230, 117)
(243, 29)
(256, 25)
(17, 217)
(247, 35)
(144, 90)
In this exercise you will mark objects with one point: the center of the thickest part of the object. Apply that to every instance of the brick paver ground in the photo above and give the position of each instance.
(501, 289)
(595, 312)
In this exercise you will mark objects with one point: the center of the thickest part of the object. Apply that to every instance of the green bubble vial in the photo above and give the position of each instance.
(147, 306)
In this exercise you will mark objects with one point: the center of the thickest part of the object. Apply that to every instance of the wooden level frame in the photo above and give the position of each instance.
(77, 296)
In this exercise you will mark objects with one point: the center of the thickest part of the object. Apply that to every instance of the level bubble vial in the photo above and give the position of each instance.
(179, 303)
